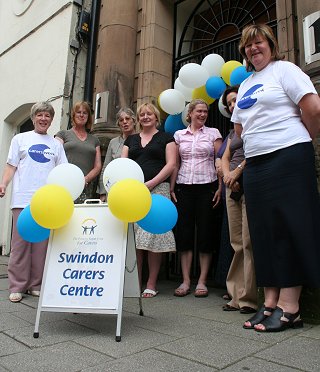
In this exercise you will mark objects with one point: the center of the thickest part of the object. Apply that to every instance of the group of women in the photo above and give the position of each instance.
(268, 175)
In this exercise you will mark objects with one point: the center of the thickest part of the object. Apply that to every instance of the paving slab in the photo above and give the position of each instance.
(10, 346)
(298, 352)
(255, 364)
(65, 356)
(50, 333)
(133, 340)
(216, 350)
(10, 321)
(150, 361)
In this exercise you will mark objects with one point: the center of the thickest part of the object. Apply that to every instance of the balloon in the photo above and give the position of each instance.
(119, 169)
(222, 109)
(184, 115)
(215, 86)
(201, 93)
(69, 176)
(162, 216)
(172, 101)
(173, 123)
(129, 200)
(213, 64)
(227, 69)
(238, 75)
(193, 75)
(28, 229)
(52, 206)
(187, 92)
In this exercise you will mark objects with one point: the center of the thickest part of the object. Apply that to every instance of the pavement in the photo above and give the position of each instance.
(175, 334)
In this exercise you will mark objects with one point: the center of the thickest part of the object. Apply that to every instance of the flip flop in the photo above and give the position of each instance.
(149, 293)
(201, 291)
(182, 291)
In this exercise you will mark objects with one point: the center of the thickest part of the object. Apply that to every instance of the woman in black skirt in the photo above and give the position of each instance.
(278, 113)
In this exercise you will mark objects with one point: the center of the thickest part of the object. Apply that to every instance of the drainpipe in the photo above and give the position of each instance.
(92, 50)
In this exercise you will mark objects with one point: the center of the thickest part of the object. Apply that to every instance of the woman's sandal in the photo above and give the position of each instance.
(182, 291)
(259, 316)
(280, 321)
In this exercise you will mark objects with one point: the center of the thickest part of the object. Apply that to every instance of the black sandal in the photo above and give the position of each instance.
(258, 317)
(274, 323)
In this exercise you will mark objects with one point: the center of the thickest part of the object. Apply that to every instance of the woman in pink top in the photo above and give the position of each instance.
(196, 190)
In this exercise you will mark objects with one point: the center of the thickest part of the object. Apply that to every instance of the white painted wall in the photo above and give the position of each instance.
(35, 65)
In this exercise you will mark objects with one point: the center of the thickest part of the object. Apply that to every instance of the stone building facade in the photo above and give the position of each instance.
(138, 49)
(138, 45)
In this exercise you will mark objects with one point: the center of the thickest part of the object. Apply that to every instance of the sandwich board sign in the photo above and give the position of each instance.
(86, 266)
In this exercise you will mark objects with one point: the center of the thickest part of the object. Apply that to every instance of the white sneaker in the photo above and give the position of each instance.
(15, 297)
(34, 293)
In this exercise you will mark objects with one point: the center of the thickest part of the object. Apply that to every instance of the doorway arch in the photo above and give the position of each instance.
(202, 27)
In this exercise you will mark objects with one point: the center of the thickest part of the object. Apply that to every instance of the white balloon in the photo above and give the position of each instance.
(222, 109)
(213, 64)
(187, 92)
(184, 115)
(171, 101)
(120, 169)
(193, 75)
(69, 176)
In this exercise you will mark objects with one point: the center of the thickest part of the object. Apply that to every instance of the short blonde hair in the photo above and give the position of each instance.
(192, 106)
(252, 31)
(152, 108)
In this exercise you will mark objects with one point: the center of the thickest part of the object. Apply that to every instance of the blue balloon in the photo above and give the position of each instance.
(238, 75)
(162, 216)
(28, 229)
(173, 123)
(215, 86)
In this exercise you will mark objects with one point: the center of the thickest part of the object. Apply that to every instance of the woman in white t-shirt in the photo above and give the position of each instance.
(278, 113)
(32, 155)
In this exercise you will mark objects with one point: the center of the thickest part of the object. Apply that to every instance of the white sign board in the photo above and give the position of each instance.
(85, 265)
(311, 37)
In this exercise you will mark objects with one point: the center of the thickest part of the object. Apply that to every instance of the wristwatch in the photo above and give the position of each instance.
(240, 166)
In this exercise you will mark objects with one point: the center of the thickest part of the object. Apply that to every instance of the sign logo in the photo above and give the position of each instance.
(246, 101)
(88, 226)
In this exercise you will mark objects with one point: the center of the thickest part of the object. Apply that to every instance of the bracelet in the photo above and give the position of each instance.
(240, 166)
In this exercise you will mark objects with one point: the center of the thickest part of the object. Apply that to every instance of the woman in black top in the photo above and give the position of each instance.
(155, 152)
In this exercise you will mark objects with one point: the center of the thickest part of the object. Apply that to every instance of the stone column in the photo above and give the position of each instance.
(115, 61)
(154, 58)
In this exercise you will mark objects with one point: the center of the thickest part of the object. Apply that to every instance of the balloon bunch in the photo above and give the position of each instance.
(51, 206)
(130, 200)
(207, 81)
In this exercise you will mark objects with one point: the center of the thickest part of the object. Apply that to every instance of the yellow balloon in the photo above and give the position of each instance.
(201, 93)
(227, 69)
(158, 102)
(129, 200)
(52, 206)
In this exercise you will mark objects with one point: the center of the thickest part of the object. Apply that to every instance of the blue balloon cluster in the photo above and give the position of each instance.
(28, 229)
(238, 75)
(162, 216)
(173, 123)
(215, 86)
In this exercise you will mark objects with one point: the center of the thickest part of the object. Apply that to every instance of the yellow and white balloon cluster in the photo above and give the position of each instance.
(206, 81)
(51, 206)
(130, 200)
